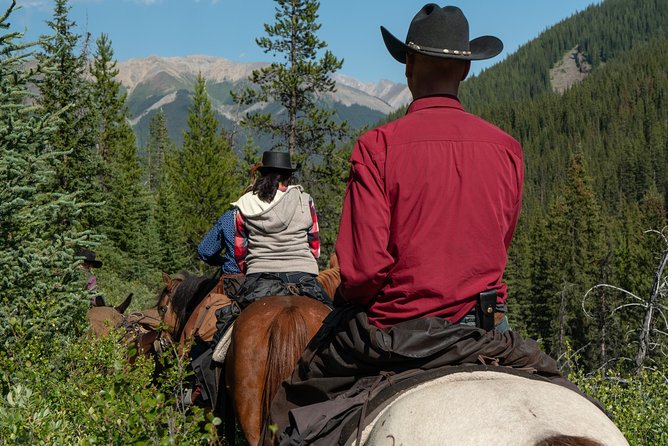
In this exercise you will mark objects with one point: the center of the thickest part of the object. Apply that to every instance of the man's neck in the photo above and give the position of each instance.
(442, 91)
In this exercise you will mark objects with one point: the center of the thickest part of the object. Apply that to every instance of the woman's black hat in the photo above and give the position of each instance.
(441, 32)
(277, 161)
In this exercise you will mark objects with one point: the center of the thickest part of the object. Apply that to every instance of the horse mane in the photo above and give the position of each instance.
(567, 440)
(188, 294)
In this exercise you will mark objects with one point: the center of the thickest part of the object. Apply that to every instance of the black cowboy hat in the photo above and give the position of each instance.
(276, 160)
(441, 32)
(89, 257)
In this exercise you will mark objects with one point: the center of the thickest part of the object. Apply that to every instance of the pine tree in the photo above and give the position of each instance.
(578, 250)
(117, 147)
(66, 91)
(309, 132)
(161, 169)
(517, 275)
(295, 82)
(541, 307)
(175, 254)
(162, 211)
(40, 287)
(110, 102)
(325, 179)
(204, 176)
(159, 143)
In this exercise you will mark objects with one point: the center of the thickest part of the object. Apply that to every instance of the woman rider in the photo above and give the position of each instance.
(276, 239)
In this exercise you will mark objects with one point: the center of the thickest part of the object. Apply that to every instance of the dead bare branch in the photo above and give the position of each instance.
(663, 316)
(656, 330)
(661, 233)
(643, 336)
(606, 285)
(652, 304)
(622, 290)
(643, 305)
(573, 353)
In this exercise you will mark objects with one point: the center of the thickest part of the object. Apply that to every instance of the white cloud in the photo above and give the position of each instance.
(145, 2)
(43, 5)
(47, 5)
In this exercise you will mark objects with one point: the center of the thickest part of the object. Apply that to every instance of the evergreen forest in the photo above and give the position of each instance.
(586, 272)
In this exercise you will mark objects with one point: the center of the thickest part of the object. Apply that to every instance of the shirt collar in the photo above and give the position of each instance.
(435, 101)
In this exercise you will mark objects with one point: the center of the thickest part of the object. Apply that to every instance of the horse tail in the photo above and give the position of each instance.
(288, 337)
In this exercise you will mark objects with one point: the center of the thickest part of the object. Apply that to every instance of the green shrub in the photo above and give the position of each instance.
(638, 403)
(87, 393)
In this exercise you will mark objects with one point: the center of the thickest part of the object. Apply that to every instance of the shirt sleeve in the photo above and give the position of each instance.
(362, 244)
(91, 283)
(240, 240)
(519, 170)
(211, 246)
(314, 231)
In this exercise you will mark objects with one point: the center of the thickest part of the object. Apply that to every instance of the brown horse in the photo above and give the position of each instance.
(140, 328)
(267, 340)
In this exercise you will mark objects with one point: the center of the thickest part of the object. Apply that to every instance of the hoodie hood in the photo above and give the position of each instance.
(274, 216)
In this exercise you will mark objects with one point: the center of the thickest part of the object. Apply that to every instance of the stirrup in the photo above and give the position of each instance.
(223, 345)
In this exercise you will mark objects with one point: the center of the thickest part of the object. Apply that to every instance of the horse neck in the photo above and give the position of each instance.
(193, 310)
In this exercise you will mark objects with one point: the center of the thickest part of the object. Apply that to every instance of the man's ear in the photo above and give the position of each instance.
(466, 69)
(410, 59)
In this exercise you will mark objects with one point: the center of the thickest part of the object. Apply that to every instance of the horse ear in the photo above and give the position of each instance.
(333, 260)
(124, 306)
(166, 279)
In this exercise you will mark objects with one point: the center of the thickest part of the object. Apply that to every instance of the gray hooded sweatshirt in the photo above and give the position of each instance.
(278, 232)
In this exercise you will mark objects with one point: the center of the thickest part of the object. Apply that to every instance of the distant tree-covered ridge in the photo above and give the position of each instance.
(614, 126)
(601, 33)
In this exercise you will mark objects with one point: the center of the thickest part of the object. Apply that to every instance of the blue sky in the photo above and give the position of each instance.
(228, 28)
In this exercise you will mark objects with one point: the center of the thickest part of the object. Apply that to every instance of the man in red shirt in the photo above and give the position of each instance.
(433, 198)
(430, 209)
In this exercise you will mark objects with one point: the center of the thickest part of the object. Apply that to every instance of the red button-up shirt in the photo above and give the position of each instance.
(430, 209)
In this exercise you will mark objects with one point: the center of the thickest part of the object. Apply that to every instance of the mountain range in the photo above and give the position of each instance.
(166, 83)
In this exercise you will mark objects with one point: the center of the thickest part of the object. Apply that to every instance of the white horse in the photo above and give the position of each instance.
(489, 408)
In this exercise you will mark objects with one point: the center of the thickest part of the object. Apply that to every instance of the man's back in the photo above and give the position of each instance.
(448, 187)
(430, 209)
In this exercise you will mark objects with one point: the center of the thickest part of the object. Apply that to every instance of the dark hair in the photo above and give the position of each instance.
(266, 185)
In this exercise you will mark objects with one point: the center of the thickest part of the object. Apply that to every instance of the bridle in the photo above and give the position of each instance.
(164, 307)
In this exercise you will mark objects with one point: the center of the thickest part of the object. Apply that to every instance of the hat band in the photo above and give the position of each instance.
(438, 50)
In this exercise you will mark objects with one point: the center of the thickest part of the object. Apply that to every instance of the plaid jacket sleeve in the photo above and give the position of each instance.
(314, 231)
(240, 240)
